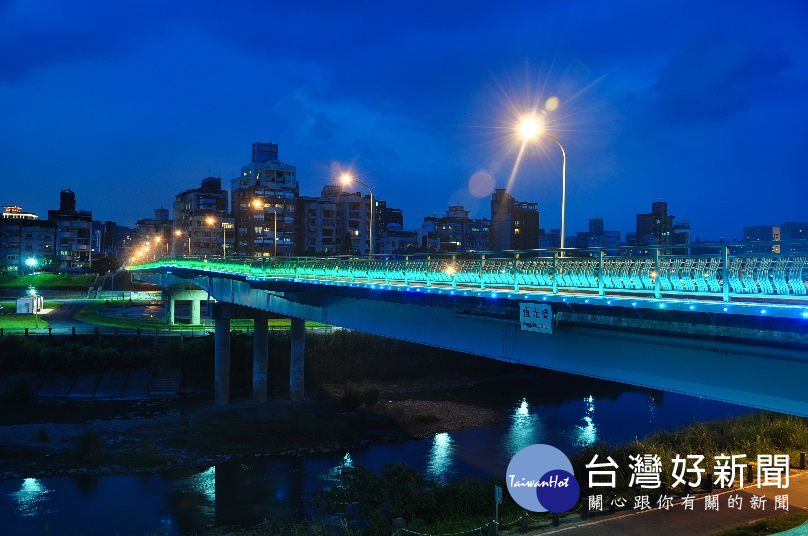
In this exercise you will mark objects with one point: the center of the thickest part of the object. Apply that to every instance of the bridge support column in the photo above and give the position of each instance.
(297, 359)
(260, 351)
(195, 312)
(222, 360)
(169, 304)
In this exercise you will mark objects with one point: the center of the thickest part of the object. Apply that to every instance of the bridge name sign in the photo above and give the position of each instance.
(535, 317)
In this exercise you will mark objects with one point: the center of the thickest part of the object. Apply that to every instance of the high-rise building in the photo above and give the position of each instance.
(514, 224)
(23, 236)
(155, 234)
(202, 222)
(655, 228)
(263, 202)
(792, 230)
(680, 235)
(455, 231)
(72, 246)
(761, 233)
(337, 222)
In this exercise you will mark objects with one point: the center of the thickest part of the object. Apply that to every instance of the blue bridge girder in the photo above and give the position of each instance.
(665, 322)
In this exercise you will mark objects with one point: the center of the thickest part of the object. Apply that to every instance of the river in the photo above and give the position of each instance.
(567, 414)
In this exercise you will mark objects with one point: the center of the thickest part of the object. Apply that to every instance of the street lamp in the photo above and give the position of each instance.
(210, 221)
(347, 179)
(260, 205)
(32, 292)
(157, 240)
(31, 263)
(530, 128)
(180, 233)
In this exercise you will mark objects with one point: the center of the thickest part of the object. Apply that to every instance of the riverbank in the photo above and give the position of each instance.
(154, 435)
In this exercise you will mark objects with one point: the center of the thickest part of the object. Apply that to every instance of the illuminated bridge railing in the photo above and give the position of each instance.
(720, 275)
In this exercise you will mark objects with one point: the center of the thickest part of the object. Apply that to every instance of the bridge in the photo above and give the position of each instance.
(725, 326)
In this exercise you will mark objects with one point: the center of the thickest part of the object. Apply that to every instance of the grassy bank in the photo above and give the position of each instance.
(47, 281)
(20, 354)
(93, 313)
(767, 526)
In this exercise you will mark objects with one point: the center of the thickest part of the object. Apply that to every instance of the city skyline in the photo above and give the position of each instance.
(653, 103)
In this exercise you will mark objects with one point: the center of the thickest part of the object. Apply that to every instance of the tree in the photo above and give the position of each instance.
(105, 264)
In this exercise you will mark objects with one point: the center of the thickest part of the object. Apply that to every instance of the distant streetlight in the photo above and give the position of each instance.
(261, 205)
(530, 128)
(348, 179)
(31, 263)
(32, 292)
(180, 233)
(210, 221)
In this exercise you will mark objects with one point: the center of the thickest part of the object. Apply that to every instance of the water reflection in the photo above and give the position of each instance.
(335, 473)
(31, 497)
(441, 458)
(652, 406)
(205, 483)
(587, 433)
(525, 429)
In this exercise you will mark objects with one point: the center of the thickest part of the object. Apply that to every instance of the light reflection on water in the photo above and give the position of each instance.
(441, 458)
(586, 434)
(335, 473)
(205, 483)
(248, 491)
(525, 429)
(31, 498)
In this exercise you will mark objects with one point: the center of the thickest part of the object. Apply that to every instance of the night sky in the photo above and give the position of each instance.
(701, 104)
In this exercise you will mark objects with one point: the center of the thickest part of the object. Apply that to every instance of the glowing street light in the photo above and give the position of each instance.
(210, 221)
(32, 292)
(530, 128)
(348, 179)
(260, 205)
(180, 233)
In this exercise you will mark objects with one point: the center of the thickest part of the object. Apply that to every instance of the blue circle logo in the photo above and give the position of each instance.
(540, 479)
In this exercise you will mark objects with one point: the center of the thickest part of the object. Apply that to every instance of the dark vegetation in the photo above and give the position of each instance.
(74, 355)
(426, 506)
(47, 281)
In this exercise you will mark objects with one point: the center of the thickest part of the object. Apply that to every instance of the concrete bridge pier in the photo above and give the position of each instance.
(260, 358)
(196, 317)
(222, 361)
(297, 359)
(169, 304)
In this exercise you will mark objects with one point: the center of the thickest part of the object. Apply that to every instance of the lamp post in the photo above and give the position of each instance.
(260, 205)
(531, 128)
(32, 292)
(180, 233)
(210, 221)
(347, 179)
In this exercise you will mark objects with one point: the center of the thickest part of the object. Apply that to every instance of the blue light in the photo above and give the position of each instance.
(805, 315)
(608, 302)
(763, 311)
(726, 309)
(545, 298)
(692, 307)
(634, 304)
(586, 301)
(662, 306)
(565, 299)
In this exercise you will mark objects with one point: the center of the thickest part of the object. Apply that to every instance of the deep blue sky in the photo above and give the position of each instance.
(701, 104)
